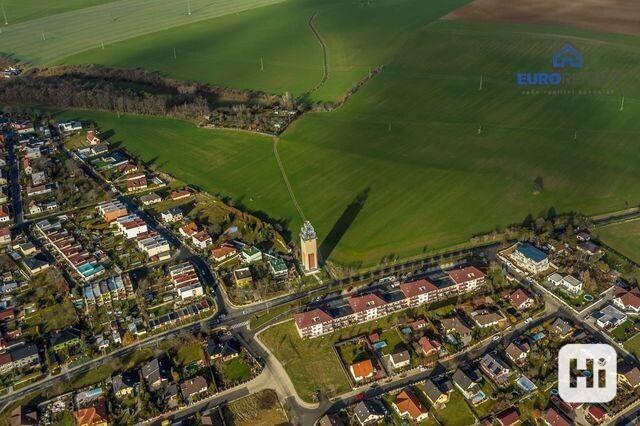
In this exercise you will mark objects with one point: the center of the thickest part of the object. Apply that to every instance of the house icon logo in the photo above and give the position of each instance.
(567, 56)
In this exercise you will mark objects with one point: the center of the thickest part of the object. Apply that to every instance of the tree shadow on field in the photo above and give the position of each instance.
(342, 225)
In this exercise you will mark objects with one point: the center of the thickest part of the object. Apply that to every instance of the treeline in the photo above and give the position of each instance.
(125, 91)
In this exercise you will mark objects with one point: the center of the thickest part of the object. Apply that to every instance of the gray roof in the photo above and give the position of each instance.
(24, 351)
(367, 408)
(432, 390)
(461, 379)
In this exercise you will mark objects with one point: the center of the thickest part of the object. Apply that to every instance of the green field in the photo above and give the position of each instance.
(54, 36)
(402, 168)
(227, 51)
(624, 238)
(25, 10)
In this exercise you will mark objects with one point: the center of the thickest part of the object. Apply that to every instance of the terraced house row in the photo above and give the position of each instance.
(371, 306)
(80, 260)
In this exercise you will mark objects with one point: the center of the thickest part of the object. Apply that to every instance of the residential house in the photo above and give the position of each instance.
(429, 348)
(589, 248)
(131, 226)
(627, 300)
(369, 411)
(562, 328)
(185, 280)
(112, 210)
(521, 299)
(469, 388)
(508, 417)
(399, 359)
(453, 326)
(25, 356)
(92, 139)
(223, 252)
(64, 339)
(494, 369)
(629, 375)
(124, 384)
(95, 415)
(530, 258)
(609, 317)
(155, 374)
(171, 215)
(179, 195)
(407, 405)
(193, 387)
(597, 414)
(223, 347)
(5, 236)
(367, 307)
(485, 318)
(362, 370)
(517, 352)
(467, 279)
(553, 417)
(313, 323)
(250, 254)
(201, 239)
(278, 267)
(435, 394)
(136, 183)
(242, 277)
(127, 168)
(69, 126)
(149, 199)
(4, 214)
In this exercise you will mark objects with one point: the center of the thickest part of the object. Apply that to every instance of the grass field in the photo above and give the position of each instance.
(25, 10)
(52, 37)
(624, 238)
(227, 51)
(406, 167)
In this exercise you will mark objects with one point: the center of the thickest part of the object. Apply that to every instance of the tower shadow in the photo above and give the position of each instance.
(342, 225)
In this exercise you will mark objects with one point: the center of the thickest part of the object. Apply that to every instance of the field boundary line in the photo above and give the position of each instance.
(325, 57)
(286, 179)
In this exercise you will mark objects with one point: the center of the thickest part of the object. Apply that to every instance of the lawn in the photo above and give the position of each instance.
(624, 238)
(312, 363)
(624, 331)
(188, 353)
(456, 412)
(393, 340)
(633, 346)
(237, 370)
(56, 35)
(25, 10)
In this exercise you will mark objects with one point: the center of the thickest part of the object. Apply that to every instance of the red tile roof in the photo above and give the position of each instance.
(597, 412)
(463, 275)
(367, 301)
(362, 369)
(519, 297)
(312, 317)
(415, 288)
(555, 418)
(508, 417)
(406, 402)
(628, 298)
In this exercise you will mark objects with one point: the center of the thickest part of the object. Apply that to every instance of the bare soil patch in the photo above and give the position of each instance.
(614, 16)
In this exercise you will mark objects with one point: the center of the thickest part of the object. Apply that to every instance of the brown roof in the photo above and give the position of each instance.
(137, 182)
(428, 345)
(367, 301)
(518, 297)
(223, 251)
(463, 275)
(314, 316)
(406, 402)
(631, 373)
(5, 358)
(455, 324)
(193, 386)
(415, 288)
(508, 417)
(554, 418)
(628, 298)
(93, 415)
(362, 368)
(514, 351)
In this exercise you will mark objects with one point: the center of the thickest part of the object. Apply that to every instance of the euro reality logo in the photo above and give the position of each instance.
(594, 377)
(565, 57)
